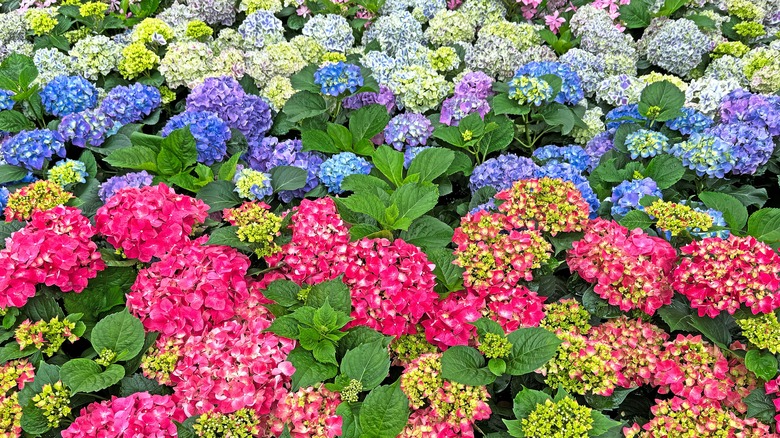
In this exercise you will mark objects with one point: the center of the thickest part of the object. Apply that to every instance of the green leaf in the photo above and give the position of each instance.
(384, 412)
(604, 403)
(316, 140)
(663, 95)
(677, 315)
(9, 173)
(325, 352)
(526, 401)
(450, 135)
(368, 121)
(304, 79)
(465, 365)
(431, 163)
(219, 195)
(636, 219)
(670, 7)
(14, 121)
(413, 200)
(428, 232)
(497, 139)
(364, 183)
(598, 306)
(714, 329)
(34, 420)
(153, 142)
(764, 225)
(103, 292)
(11, 351)
(227, 236)
(119, 332)
(502, 104)
(735, 214)
(341, 136)
(134, 157)
(138, 383)
(228, 170)
(366, 203)
(8, 228)
(307, 370)
(531, 348)
(747, 195)
(486, 325)
(42, 308)
(762, 363)
(84, 375)
(497, 366)
(350, 414)
(288, 178)
(390, 162)
(760, 406)
(177, 152)
(636, 15)
(334, 292)
(283, 292)
(285, 326)
(448, 275)
(601, 423)
(367, 363)
(665, 170)
(304, 104)
(559, 116)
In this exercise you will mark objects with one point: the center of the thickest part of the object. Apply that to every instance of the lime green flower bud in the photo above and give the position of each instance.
(54, 401)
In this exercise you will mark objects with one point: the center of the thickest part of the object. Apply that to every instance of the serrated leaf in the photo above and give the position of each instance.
(368, 121)
(384, 412)
(764, 225)
(390, 163)
(367, 363)
(431, 163)
(734, 213)
(636, 219)
(84, 375)
(307, 370)
(526, 401)
(134, 157)
(763, 364)
(303, 105)
(288, 178)
(664, 95)
(219, 195)
(465, 365)
(665, 170)
(283, 292)
(428, 232)
(119, 332)
(531, 348)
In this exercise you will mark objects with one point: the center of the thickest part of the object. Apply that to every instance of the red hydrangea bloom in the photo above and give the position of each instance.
(319, 248)
(449, 324)
(547, 204)
(192, 289)
(631, 269)
(693, 369)
(54, 249)
(146, 222)
(138, 415)
(309, 413)
(635, 344)
(514, 308)
(391, 286)
(494, 252)
(722, 274)
(233, 366)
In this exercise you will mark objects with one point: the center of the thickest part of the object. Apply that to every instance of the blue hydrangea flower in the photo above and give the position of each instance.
(707, 154)
(567, 172)
(691, 121)
(408, 129)
(6, 100)
(68, 94)
(626, 195)
(117, 183)
(572, 154)
(210, 132)
(598, 146)
(338, 77)
(410, 153)
(624, 114)
(30, 149)
(130, 104)
(4, 193)
(289, 153)
(646, 143)
(252, 185)
(751, 145)
(336, 168)
(501, 172)
(571, 90)
(87, 128)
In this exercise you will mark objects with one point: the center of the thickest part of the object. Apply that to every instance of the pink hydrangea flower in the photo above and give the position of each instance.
(147, 222)
(514, 308)
(635, 344)
(309, 413)
(138, 415)
(235, 365)
(192, 289)
(424, 423)
(55, 249)
(391, 285)
(631, 269)
(449, 325)
(722, 274)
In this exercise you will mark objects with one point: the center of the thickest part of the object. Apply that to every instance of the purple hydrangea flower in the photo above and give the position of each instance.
(691, 121)
(408, 129)
(4, 194)
(130, 104)
(336, 78)
(751, 145)
(289, 153)
(30, 149)
(87, 128)
(626, 195)
(476, 84)
(598, 146)
(383, 97)
(572, 154)
(117, 183)
(65, 95)
(455, 108)
(756, 109)
(501, 172)
(210, 132)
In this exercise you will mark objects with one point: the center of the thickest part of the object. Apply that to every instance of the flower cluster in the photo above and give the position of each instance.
(252, 185)
(691, 121)
(46, 336)
(138, 413)
(691, 368)
(68, 172)
(336, 78)
(501, 172)
(582, 365)
(41, 195)
(130, 104)
(566, 315)
(408, 130)
(148, 221)
(564, 418)
(54, 249)
(627, 195)
(336, 168)
(87, 128)
(255, 224)
(646, 143)
(309, 413)
(211, 133)
(31, 149)
(706, 154)
(571, 90)
(674, 219)
(722, 274)
(546, 204)
(243, 423)
(573, 155)
(53, 401)
(636, 345)
(631, 269)
(117, 183)
(530, 90)
(68, 94)
(763, 331)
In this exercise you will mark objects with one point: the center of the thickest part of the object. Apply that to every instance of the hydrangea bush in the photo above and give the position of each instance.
(389, 219)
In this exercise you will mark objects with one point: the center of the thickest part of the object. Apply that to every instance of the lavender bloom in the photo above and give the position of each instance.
(501, 172)
(210, 132)
(691, 121)
(30, 149)
(626, 195)
(476, 84)
(455, 108)
(408, 129)
(751, 145)
(383, 97)
(117, 183)
(288, 153)
(87, 128)
(598, 146)
(743, 106)
(130, 104)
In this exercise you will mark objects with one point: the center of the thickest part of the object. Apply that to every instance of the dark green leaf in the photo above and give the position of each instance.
(390, 162)
(428, 232)
(9, 173)
(665, 170)
(526, 401)
(531, 348)
(431, 163)
(764, 225)
(636, 15)
(367, 363)
(664, 95)
(762, 363)
(304, 104)
(384, 412)
(288, 178)
(735, 214)
(465, 365)
(283, 292)
(134, 157)
(119, 332)
(219, 195)
(138, 383)
(601, 423)
(760, 406)
(34, 420)
(227, 236)
(368, 121)
(636, 219)
(334, 292)
(84, 375)
(307, 370)
(316, 140)
(14, 121)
